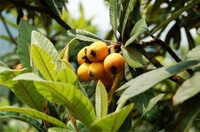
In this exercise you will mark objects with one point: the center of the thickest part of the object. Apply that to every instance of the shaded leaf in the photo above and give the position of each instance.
(111, 122)
(24, 118)
(113, 11)
(188, 89)
(82, 35)
(139, 28)
(23, 41)
(133, 57)
(147, 80)
(79, 125)
(101, 100)
(33, 113)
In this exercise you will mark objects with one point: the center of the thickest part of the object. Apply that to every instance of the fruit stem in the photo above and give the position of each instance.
(114, 86)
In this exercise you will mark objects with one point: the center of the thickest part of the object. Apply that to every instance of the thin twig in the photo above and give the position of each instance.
(7, 30)
(157, 64)
(73, 120)
(45, 10)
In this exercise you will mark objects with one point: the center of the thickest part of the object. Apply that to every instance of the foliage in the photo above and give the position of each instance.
(150, 86)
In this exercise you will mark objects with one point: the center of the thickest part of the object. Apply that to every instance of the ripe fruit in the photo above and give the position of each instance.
(114, 63)
(97, 51)
(81, 57)
(83, 72)
(96, 70)
(19, 67)
(107, 80)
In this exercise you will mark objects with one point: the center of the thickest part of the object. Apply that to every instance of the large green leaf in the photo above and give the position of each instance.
(141, 101)
(44, 62)
(24, 118)
(45, 44)
(24, 40)
(176, 14)
(111, 122)
(139, 28)
(82, 35)
(24, 90)
(129, 9)
(114, 16)
(69, 96)
(188, 89)
(147, 80)
(133, 57)
(33, 113)
(101, 100)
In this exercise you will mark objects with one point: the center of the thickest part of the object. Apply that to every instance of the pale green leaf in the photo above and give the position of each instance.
(147, 80)
(133, 57)
(111, 122)
(129, 9)
(24, 118)
(24, 90)
(176, 14)
(33, 113)
(188, 89)
(101, 100)
(194, 54)
(114, 16)
(45, 44)
(69, 96)
(44, 62)
(82, 35)
(57, 129)
(80, 126)
(24, 40)
(139, 28)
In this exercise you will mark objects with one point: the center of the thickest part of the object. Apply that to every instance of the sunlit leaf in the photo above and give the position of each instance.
(101, 101)
(33, 113)
(111, 122)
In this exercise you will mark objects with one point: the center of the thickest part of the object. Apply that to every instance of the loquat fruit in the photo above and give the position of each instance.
(19, 67)
(82, 72)
(114, 63)
(97, 51)
(96, 70)
(81, 57)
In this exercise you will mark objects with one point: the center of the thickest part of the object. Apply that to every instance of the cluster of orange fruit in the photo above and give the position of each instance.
(97, 64)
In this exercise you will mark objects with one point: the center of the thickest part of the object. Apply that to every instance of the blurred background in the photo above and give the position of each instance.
(93, 15)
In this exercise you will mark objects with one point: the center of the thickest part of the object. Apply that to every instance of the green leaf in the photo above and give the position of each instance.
(44, 62)
(41, 41)
(33, 113)
(82, 35)
(114, 16)
(24, 90)
(54, 6)
(67, 75)
(57, 129)
(141, 101)
(24, 118)
(24, 40)
(152, 103)
(188, 89)
(133, 57)
(198, 31)
(111, 122)
(69, 96)
(101, 100)
(147, 80)
(80, 126)
(175, 15)
(129, 9)
(194, 54)
(139, 28)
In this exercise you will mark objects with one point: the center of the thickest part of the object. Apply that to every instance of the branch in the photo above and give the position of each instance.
(7, 30)
(45, 10)
(157, 64)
